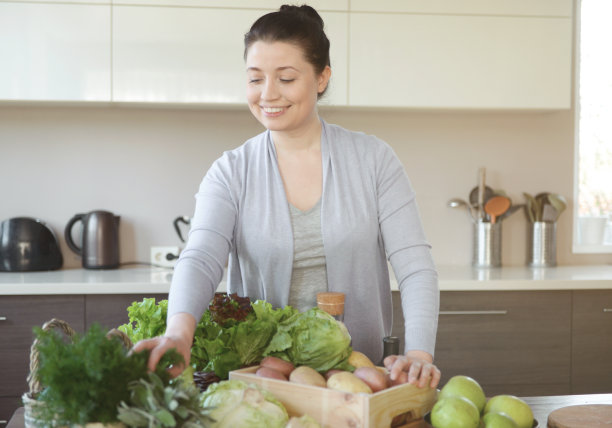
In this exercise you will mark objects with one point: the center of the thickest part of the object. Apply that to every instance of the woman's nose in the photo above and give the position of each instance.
(270, 91)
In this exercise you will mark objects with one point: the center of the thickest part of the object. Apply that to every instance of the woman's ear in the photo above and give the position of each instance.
(324, 79)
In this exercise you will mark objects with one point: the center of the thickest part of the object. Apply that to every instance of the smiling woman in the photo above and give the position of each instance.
(307, 207)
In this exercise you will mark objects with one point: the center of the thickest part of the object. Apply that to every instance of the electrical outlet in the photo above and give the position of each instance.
(164, 256)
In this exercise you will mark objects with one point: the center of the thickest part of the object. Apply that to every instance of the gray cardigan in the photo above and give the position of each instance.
(368, 214)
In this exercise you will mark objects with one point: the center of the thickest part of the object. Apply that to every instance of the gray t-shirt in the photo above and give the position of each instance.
(309, 275)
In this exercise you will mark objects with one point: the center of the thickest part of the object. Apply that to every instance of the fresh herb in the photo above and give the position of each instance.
(84, 380)
(154, 404)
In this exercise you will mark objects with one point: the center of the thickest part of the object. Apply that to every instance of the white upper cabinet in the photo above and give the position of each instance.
(57, 52)
(194, 55)
(469, 7)
(319, 5)
(460, 61)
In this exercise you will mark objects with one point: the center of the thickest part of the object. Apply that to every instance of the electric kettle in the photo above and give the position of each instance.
(100, 246)
(28, 244)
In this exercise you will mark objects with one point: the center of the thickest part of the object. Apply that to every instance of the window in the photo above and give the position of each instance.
(593, 210)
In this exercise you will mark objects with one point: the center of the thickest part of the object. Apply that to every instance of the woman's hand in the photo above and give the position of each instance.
(179, 335)
(416, 367)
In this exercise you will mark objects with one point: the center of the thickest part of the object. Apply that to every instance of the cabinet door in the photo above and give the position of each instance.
(19, 315)
(55, 52)
(472, 7)
(195, 55)
(319, 5)
(460, 61)
(511, 342)
(592, 342)
(8, 405)
(110, 310)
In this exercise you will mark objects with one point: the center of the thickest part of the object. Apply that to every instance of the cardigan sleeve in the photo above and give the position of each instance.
(199, 269)
(408, 251)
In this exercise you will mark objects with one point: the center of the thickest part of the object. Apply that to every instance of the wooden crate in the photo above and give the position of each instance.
(391, 408)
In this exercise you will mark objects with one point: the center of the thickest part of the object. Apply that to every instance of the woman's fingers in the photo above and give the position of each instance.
(419, 372)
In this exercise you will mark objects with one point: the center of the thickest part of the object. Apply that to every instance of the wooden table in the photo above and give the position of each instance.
(541, 406)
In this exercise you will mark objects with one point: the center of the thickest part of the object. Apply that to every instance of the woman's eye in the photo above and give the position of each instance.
(287, 80)
(254, 80)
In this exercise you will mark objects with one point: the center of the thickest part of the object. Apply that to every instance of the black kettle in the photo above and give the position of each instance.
(100, 247)
(27, 244)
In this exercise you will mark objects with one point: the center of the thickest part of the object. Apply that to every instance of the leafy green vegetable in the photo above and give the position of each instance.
(147, 319)
(236, 404)
(85, 380)
(154, 404)
(313, 338)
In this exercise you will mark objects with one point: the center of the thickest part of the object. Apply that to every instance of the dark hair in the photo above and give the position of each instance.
(300, 25)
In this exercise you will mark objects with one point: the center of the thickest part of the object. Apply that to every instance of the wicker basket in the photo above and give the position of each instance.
(30, 402)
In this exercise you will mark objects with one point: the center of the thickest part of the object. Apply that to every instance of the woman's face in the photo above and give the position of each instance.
(282, 87)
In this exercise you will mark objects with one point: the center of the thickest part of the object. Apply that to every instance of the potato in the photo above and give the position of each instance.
(307, 376)
(372, 377)
(270, 373)
(400, 379)
(285, 367)
(358, 359)
(348, 382)
(331, 372)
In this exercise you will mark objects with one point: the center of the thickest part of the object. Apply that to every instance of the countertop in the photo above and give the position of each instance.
(128, 280)
(541, 407)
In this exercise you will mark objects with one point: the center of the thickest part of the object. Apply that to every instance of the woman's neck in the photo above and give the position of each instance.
(303, 139)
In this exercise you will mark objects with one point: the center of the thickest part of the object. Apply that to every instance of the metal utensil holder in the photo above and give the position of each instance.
(542, 244)
(487, 244)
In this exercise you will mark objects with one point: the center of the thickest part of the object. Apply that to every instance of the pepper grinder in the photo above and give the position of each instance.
(391, 345)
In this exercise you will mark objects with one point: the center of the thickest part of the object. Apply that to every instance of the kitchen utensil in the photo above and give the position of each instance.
(542, 200)
(549, 213)
(481, 192)
(473, 198)
(496, 206)
(511, 210)
(558, 202)
(460, 203)
(100, 246)
(584, 415)
(182, 219)
(531, 207)
(27, 244)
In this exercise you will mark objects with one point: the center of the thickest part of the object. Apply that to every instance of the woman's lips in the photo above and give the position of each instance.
(273, 111)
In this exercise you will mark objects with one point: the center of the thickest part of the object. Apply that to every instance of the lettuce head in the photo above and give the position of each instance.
(237, 404)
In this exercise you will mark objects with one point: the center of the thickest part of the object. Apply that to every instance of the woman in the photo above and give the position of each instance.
(306, 207)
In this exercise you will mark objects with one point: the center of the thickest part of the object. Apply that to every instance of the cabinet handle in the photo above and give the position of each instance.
(607, 309)
(492, 312)
(3, 422)
(4, 319)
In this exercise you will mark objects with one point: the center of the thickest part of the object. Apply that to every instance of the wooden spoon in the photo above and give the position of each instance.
(496, 206)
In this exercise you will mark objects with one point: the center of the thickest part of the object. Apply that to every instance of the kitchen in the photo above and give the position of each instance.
(144, 160)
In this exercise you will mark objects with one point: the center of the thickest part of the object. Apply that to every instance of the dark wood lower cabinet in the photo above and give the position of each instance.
(592, 342)
(19, 314)
(511, 342)
(110, 310)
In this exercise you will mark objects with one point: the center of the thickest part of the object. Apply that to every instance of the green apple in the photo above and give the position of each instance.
(498, 420)
(466, 387)
(454, 412)
(512, 406)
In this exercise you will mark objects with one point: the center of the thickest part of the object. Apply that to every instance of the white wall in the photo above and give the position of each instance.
(146, 164)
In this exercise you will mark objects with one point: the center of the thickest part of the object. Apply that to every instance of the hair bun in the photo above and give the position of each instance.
(303, 10)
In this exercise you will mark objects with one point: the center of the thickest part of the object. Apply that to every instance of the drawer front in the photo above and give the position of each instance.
(8, 405)
(592, 342)
(19, 315)
(512, 342)
(110, 310)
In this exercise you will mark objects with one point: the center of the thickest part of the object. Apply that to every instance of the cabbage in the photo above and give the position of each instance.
(312, 338)
(237, 404)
